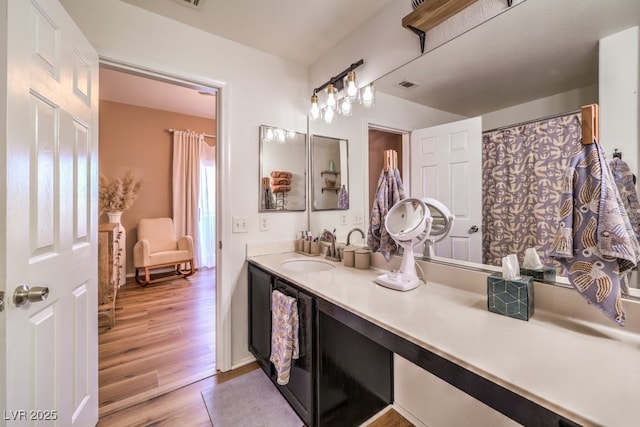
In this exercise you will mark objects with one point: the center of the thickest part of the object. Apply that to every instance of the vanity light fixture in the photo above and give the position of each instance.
(341, 93)
(368, 95)
(315, 109)
(352, 89)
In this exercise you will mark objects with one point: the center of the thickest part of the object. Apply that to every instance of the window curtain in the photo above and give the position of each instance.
(207, 217)
(522, 168)
(187, 146)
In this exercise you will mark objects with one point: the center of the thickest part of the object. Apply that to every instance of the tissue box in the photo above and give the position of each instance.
(544, 273)
(513, 298)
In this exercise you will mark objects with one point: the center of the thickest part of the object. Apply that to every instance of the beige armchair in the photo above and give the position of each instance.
(157, 247)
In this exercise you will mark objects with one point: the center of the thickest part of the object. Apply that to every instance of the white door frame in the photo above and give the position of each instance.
(406, 159)
(223, 171)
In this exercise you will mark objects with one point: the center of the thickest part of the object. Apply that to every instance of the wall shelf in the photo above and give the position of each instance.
(431, 13)
(336, 189)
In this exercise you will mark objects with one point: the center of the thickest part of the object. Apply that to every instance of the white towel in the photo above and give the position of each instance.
(284, 334)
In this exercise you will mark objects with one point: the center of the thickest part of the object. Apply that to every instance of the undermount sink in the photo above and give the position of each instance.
(306, 265)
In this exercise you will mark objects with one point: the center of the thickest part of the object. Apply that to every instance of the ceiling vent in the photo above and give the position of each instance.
(406, 84)
(195, 4)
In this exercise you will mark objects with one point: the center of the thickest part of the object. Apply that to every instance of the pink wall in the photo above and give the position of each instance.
(136, 138)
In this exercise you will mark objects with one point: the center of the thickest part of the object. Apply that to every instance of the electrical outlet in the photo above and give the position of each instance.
(240, 224)
(357, 218)
(343, 218)
(264, 223)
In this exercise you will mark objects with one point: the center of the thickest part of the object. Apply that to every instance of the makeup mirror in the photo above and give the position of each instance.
(409, 224)
(442, 220)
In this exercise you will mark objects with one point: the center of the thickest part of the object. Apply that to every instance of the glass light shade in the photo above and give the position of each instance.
(279, 135)
(368, 95)
(268, 134)
(314, 112)
(328, 115)
(350, 84)
(345, 106)
(331, 97)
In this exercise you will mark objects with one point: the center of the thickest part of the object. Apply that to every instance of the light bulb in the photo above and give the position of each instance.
(279, 134)
(352, 89)
(328, 115)
(331, 97)
(345, 107)
(315, 110)
(367, 95)
(268, 135)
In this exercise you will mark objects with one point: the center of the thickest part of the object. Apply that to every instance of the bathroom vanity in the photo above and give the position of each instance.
(549, 371)
(341, 377)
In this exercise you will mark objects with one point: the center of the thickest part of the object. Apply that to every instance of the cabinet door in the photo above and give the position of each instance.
(299, 390)
(260, 284)
(355, 375)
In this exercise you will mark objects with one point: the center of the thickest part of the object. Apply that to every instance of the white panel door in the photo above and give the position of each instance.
(48, 210)
(446, 165)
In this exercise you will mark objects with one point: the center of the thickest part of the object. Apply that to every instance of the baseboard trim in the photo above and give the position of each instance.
(243, 362)
(408, 415)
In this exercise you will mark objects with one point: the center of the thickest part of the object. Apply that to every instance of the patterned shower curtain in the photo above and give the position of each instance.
(522, 169)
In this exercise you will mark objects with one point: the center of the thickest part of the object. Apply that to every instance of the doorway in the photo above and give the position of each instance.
(164, 334)
(380, 139)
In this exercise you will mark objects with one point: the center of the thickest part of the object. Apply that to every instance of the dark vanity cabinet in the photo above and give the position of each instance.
(299, 392)
(341, 378)
(355, 374)
(260, 285)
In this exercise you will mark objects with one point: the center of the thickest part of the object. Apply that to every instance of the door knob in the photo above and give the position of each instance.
(473, 229)
(24, 294)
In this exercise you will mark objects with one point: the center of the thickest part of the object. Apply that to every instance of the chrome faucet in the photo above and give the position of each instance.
(351, 231)
(332, 253)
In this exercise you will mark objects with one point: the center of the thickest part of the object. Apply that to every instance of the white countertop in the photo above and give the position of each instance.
(587, 373)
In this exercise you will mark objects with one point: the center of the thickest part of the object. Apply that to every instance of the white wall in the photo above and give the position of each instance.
(388, 112)
(385, 45)
(251, 80)
(618, 67)
(556, 104)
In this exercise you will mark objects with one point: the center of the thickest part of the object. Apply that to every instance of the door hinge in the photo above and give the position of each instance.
(220, 244)
(1, 301)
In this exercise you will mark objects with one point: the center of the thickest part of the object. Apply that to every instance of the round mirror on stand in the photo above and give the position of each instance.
(409, 224)
(442, 221)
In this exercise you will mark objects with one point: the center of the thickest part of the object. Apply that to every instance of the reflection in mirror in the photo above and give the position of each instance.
(329, 173)
(283, 170)
(489, 72)
(440, 226)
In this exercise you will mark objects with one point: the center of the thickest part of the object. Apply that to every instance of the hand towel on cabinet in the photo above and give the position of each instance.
(595, 240)
(284, 334)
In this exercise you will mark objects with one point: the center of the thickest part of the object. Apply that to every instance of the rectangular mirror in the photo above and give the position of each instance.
(283, 170)
(329, 173)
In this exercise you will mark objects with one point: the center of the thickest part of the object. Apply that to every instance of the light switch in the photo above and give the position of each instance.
(343, 218)
(240, 224)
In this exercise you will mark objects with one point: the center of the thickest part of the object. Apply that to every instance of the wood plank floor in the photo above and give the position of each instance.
(163, 339)
(160, 356)
(185, 407)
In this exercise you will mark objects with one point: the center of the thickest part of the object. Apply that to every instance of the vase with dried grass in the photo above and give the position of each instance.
(114, 197)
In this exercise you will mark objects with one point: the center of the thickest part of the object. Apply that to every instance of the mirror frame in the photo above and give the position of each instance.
(342, 172)
(303, 161)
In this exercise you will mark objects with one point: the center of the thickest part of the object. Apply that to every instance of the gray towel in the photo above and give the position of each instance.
(388, 192)
(595, 240)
